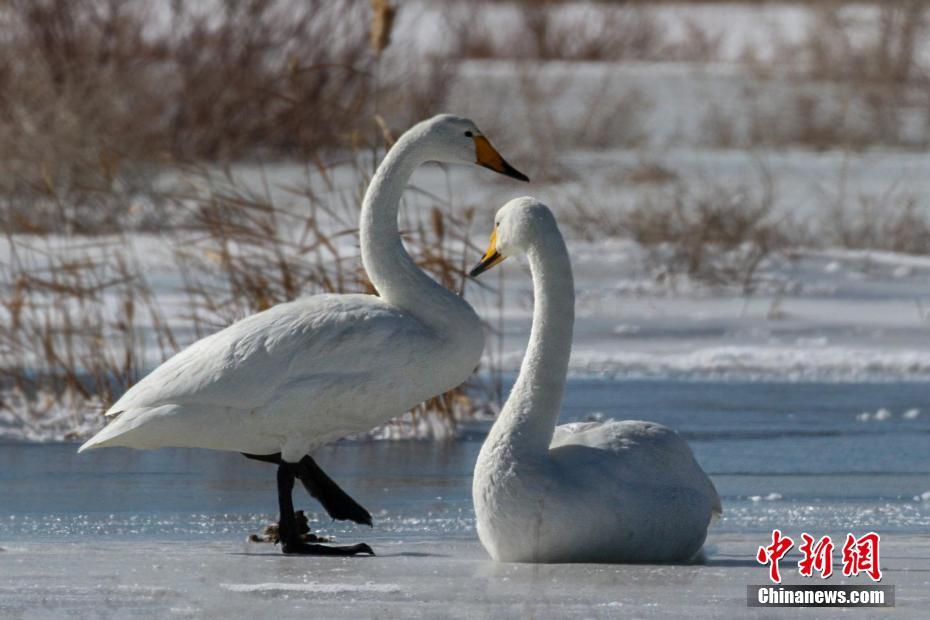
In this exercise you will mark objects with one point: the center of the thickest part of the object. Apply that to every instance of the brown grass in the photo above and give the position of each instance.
(269, 75)
(852, 82)
(716, 234)
(78, 321)
(97, 96)
(563, 31)
(892, 223)
(892, 220)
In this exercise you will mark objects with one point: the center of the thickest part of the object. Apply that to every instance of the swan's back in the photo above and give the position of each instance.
(606, 492)
(647, 450)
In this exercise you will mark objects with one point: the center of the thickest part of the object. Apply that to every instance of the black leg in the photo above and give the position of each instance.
(291, 543)
(335, 501)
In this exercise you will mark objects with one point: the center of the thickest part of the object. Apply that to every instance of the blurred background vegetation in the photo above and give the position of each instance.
(130, 127)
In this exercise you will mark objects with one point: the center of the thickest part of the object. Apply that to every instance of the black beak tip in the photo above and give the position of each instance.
(514, 173)
(474, 273)
(509, 171)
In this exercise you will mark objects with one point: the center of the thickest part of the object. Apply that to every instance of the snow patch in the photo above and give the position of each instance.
(45, 416)
(770, 362)
(879, 416)
(771, 497)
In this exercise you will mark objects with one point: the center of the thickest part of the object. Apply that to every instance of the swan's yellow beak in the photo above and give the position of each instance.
(490, 258)
(487, 156)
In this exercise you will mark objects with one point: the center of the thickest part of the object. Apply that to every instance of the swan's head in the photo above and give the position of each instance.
(456, 140)
(518, 225)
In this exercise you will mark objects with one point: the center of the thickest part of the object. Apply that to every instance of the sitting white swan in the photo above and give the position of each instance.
(588, 492)
(279, 383)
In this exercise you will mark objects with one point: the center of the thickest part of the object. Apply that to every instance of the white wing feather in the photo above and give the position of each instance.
(244, 364)
(288, 379)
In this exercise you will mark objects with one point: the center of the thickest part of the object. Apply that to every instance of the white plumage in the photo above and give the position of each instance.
(588, 492)
(293, 377)
(303, 373)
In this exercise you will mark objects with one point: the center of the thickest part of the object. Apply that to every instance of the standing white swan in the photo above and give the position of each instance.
(279, 383)
(588, 492)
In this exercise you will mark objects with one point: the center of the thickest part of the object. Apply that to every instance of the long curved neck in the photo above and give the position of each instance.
(530, 415)
(393, 273)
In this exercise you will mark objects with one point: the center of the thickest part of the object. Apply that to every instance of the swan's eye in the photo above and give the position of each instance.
(469, 134)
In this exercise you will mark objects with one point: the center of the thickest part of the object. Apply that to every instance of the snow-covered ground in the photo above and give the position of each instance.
(833, 314)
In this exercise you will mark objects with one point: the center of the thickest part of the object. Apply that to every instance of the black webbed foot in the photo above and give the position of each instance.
(289, 530)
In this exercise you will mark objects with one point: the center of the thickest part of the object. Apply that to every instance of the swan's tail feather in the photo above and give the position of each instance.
(107, 436)
(125, 430)
(100, 440)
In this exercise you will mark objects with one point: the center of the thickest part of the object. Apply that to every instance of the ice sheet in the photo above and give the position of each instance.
(429, 579)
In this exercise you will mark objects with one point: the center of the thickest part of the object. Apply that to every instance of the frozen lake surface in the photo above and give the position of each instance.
(163, 533)
(448, 578)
